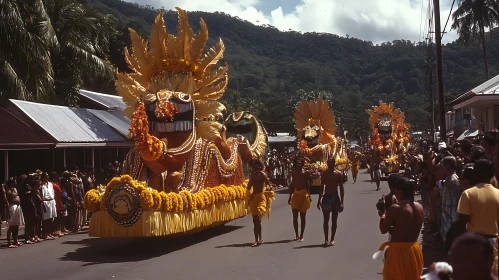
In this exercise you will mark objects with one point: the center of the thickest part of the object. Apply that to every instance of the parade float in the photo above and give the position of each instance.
(185, 171)
(315, 125)
(389, 138)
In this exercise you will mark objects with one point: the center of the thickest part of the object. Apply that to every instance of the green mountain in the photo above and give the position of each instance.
(270, 70)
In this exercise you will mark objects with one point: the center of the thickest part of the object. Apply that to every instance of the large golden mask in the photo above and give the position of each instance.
(315, 122)
(178, 84)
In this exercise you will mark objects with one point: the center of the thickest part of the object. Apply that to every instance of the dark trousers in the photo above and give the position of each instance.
(29, 227)
(72, 221)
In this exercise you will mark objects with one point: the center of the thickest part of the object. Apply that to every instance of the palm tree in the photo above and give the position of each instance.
(471, 19)
(80, 40)
(49, 47)
(25, 66)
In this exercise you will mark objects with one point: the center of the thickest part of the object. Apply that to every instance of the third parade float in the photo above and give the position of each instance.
(389, 140)
(186, 171)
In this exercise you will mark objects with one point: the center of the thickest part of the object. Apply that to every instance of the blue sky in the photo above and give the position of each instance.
(372, 20)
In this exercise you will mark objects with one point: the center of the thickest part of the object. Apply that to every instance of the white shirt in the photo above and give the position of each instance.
(48, 191)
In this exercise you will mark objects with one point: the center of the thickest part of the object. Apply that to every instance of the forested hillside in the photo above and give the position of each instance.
(271, 70)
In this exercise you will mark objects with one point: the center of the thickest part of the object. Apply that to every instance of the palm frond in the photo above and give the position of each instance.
(89, 60)
(13, 83)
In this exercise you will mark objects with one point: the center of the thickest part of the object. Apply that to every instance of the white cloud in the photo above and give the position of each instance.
(372, 20)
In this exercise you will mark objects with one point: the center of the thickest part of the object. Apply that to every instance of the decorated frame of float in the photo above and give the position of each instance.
(390, 137)
(316, 127)
(184, 174)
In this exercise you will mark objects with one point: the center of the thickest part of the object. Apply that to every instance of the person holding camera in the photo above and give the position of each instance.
(404, 257)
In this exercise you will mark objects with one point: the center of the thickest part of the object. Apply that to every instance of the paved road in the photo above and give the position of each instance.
(221, 253)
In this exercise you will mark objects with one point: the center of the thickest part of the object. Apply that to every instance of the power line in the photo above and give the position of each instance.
(448, 17)
(421, 20)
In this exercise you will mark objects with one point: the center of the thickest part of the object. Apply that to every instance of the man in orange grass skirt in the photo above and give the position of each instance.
(404, 257)
(259, 200)
(299, 196)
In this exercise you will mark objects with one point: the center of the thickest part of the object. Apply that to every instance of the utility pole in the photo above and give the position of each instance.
(429, 71)
(440, 79)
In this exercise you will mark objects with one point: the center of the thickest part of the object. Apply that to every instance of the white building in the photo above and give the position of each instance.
(474, 112)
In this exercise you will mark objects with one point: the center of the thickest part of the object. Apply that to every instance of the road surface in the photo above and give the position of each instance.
(221, 253)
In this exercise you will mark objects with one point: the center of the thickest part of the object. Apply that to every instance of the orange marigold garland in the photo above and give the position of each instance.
(151, 199)
(92, 201)
(165, 201)
(146, 200)
(151, 148)
(157, 200)
(303, 148)
(165, 110)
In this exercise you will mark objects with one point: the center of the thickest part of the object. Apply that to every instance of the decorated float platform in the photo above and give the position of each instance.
(127, 208)
(188, 168)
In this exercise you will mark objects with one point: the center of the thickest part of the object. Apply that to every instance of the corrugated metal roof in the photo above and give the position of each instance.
(115, 120)
(106, 100)
(67, 124)
(489, 87)
(19, 133)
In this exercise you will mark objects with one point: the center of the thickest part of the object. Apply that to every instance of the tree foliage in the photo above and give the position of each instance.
(270, 71)
(471, 19)
(52, 48)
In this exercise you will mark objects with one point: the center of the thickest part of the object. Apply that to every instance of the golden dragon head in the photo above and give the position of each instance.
(175, 82)
(314, 122)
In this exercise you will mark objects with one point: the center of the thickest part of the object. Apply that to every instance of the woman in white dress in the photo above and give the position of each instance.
(48, 197)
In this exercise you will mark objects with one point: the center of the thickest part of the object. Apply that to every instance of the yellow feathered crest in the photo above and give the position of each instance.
(315, 113)
(176, 64)
(396, 116)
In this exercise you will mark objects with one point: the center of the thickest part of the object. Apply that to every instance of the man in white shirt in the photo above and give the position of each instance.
(50, 211)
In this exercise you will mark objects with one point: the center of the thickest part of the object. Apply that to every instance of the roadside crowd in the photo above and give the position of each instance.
(48, 205)
(460, 210)
(278, 166)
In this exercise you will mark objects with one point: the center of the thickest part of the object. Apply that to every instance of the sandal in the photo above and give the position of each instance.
(30, 242)
(20, 244)
(13, 246)
(325, 243)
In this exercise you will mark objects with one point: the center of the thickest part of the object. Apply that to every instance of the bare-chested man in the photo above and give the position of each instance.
(376, 167)
(258, 201)
(329, 201)
(15, 213)
(299, 196)
(404, 258)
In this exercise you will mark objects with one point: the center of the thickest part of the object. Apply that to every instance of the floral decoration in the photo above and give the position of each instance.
(92, 200)
(152, 200)
(151, 148)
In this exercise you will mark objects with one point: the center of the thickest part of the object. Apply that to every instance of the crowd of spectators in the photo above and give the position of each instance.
(278, 166)
(48, 205)
(460, 196)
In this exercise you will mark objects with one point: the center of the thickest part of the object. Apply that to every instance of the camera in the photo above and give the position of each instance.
(380, 206)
